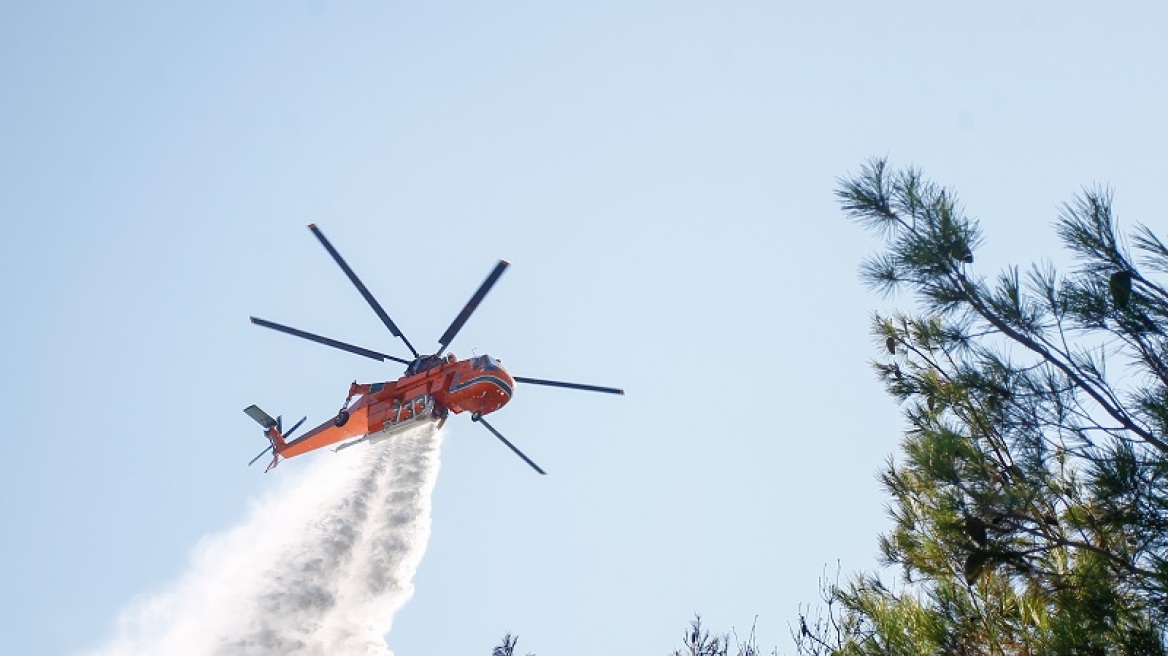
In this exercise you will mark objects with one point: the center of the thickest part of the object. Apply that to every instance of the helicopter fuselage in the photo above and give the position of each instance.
(434, 387)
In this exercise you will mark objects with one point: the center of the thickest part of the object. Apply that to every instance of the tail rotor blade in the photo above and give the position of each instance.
(479, 418)
(361, 288)
(296, 332)
(294, 427)
(253, 460)
(471, 305)
(575, 386)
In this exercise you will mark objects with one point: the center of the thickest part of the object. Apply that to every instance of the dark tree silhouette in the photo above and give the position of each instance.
(1030, 506)
(507, 646)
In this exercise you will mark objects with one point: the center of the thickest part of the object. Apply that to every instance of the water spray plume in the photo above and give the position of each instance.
(319, 567)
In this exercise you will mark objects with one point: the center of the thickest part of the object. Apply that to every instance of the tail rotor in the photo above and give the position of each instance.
(273, 431)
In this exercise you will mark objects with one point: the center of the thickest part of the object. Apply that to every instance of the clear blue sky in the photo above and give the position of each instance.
(660, 176)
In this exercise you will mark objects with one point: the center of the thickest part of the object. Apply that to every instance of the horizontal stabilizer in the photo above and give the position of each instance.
(262, 418)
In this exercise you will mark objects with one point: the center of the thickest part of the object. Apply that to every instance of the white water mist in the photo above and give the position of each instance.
(319, 566)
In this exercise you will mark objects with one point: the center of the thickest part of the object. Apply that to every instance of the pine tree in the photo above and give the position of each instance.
(507, 646)
(1030, 506)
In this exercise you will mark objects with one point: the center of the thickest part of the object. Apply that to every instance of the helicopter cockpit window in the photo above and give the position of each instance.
(490, 364)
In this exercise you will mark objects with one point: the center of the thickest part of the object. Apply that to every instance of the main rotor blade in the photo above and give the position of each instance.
(578, 386)
(473, 303)
(361, 288)
(374, 355)
(509, 444)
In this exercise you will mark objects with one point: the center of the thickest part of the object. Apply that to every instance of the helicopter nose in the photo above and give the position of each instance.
(497, 390)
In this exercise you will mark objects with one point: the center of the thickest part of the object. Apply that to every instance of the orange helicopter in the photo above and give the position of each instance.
(432, 387)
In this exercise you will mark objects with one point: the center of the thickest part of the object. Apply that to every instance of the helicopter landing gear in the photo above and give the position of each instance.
(342, 417)
(440, 413)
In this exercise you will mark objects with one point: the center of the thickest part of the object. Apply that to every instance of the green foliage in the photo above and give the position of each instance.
(507, 646)
(698, 641)
(1030, 508)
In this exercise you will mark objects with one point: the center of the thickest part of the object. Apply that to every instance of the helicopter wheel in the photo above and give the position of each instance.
(341, 419)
